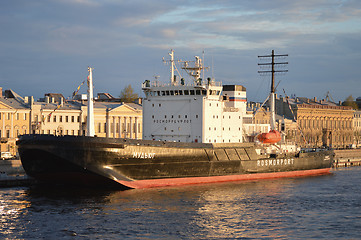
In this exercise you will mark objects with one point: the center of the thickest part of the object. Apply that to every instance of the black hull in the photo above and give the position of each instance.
(131, 163)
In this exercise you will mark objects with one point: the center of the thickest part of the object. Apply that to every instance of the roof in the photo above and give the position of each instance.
(53, 106)
(13, 103)
(308, 101)
(13, 100)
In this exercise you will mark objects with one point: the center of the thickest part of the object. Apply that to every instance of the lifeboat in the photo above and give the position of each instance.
(272, 136)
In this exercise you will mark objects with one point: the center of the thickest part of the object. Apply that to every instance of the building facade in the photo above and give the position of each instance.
(111, 119)
(320, 123)
(14, 120)
(357, 127)
(255, 121)
(118, 120)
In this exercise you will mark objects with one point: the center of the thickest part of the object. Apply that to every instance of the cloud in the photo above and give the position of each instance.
(321, 36)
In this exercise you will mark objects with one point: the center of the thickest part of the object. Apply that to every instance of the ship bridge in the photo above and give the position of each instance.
(201, 111)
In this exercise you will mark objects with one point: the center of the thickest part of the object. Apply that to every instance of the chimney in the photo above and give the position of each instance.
(1, 92)
(31, 101)
(61, 101)
(26, 99)
(47, 100)
(315, 99)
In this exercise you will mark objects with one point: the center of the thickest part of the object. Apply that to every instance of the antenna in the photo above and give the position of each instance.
(272, 64)
(328, 96)
(272, 71)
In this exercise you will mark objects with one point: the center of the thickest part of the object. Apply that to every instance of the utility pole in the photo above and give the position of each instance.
(272, 71)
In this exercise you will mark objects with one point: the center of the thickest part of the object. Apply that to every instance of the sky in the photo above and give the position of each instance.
(47, 45)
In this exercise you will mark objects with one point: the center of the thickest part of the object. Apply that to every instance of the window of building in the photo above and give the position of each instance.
(17, 116)
(61, 119)
(72, 119)
(66, 118)
(54, 118)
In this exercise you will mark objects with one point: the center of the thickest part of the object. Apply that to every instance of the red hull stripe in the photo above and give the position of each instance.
(199, 180)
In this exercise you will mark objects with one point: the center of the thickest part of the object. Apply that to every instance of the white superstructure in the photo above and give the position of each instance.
(203, 111)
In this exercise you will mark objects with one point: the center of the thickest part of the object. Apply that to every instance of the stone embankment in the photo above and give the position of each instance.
(347, 157)
(12, 174)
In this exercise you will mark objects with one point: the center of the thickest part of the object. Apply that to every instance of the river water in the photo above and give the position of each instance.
(321, 207)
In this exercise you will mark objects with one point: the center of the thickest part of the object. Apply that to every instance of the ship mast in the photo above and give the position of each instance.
(172, 78)
(90, 118)
(193, 71)
(273, 90)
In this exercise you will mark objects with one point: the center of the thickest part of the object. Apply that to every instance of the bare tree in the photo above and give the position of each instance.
(127, 94)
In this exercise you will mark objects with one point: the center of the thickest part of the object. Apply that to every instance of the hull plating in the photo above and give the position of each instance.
(139, 163)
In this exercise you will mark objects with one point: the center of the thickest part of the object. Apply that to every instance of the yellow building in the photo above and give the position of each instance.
(14, 120)
(320, 123)
(111, 119)
(256, 121)
(118, 120)
(357, 127)
(57, 118)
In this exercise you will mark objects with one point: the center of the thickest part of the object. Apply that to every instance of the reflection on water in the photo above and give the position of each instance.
(11, 207)
(313, 207)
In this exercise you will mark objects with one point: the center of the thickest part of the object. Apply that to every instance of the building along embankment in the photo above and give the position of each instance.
(347, 157)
